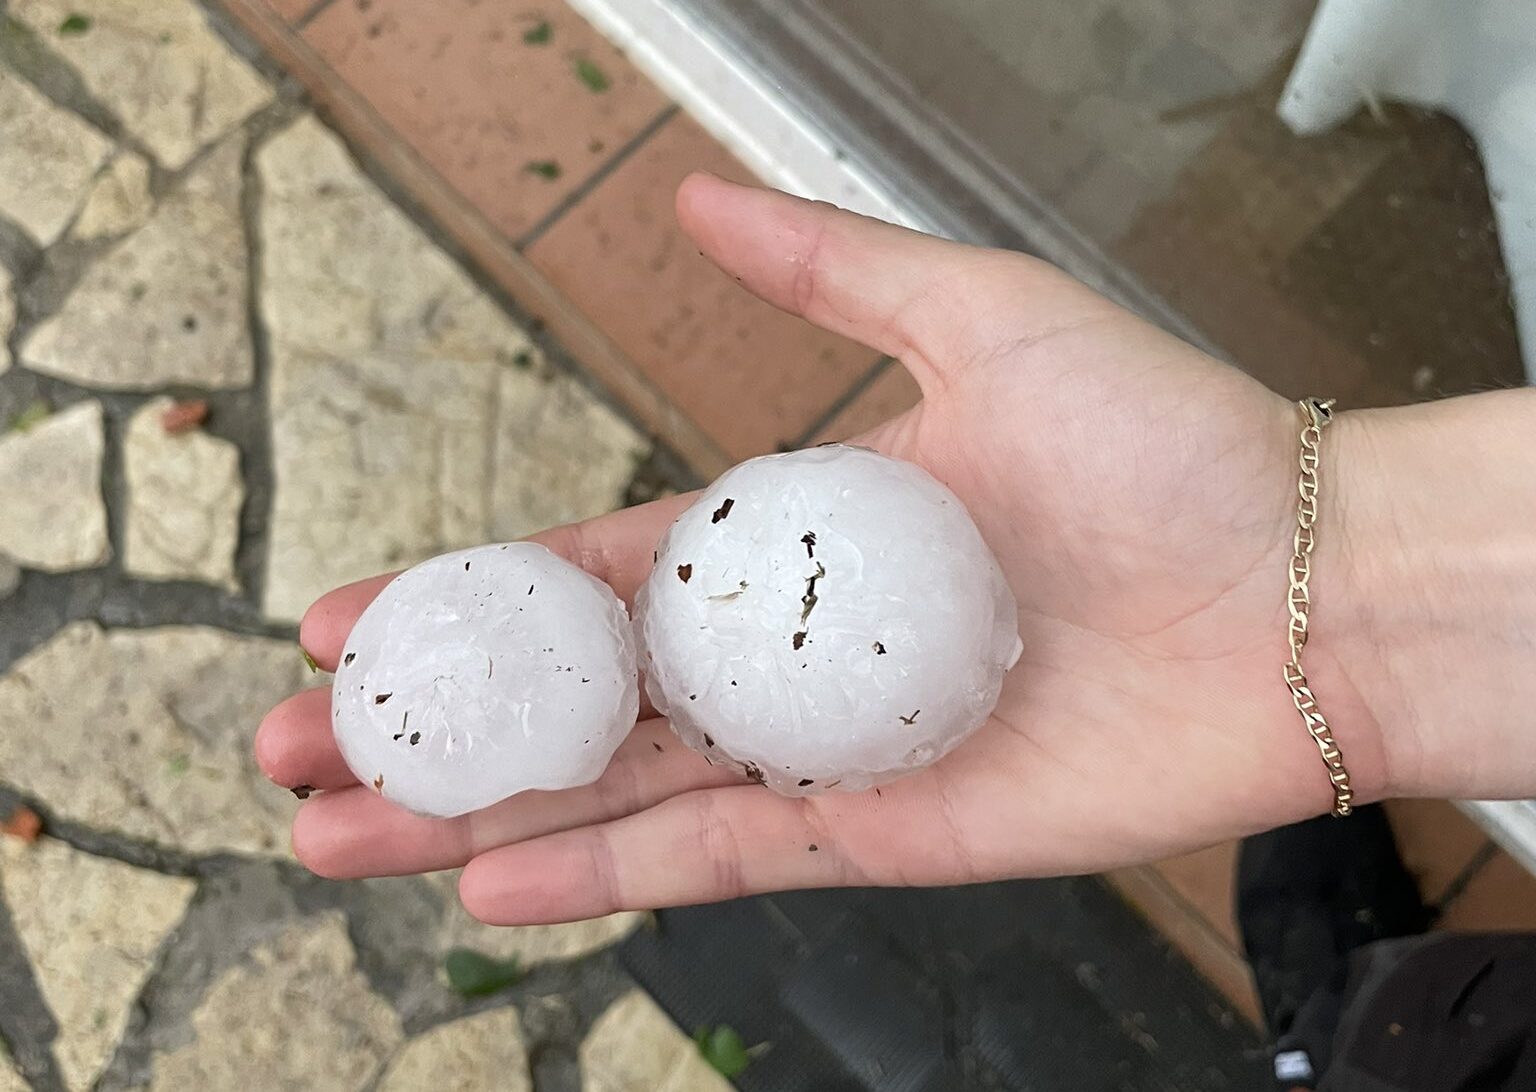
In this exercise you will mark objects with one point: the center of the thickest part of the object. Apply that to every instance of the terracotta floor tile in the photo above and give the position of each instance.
(1247, 317)
(893, 391)
(1436, 842)
(1502, 896)
(462, 87)
(752, 377)
(1204, 880)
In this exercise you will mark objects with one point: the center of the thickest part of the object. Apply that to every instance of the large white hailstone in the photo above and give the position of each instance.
(482, 673)
(828, 618)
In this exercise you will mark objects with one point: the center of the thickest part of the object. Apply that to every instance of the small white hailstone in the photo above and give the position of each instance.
(828, 618)
(482, 673)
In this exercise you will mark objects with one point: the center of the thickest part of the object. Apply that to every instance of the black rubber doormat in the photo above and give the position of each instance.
(1034, 986)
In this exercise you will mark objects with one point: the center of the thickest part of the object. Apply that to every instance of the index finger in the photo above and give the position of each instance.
(617, 548)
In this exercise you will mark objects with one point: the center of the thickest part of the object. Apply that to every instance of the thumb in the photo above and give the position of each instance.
(936, 305)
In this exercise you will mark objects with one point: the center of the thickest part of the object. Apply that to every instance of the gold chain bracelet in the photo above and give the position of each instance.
(1316, 415)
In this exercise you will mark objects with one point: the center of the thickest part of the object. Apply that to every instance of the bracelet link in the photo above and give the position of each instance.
(1316, 414)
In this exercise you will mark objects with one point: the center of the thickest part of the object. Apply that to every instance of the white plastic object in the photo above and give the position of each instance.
(829, 618)
(1475, 59)
(484, 673)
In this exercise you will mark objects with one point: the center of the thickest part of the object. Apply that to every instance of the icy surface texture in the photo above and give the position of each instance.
(828, 618)
(482, 673)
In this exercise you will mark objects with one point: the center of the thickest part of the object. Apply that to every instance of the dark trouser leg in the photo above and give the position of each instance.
(1441, 1013)
(1307, 896)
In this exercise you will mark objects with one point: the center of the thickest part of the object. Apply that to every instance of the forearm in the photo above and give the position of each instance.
(1427, 592)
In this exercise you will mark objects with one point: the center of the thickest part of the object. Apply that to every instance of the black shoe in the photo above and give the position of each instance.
(1307, 896)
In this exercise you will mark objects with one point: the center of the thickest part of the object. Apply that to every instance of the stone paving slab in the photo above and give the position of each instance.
(49, 159)
(476, 1053)
(635, 1047)
(119, 201)
(149, 734)
(377, 443)
(295, 1015)
(171, 82)
(54, 516)
(559, 454)
(183, 495)
(91, 927)
(381, 407)
(168, 303)
(403, 400)
(347, 272)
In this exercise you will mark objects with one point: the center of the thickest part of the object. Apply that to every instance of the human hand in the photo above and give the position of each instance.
(1140, 497)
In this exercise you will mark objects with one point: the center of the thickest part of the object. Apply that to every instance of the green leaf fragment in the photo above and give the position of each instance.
(34, 413)
(723, 1049)
(474, 975)
(591, 75)
(75, 23)
(178, 765)
(309, 660)
(544, 168)
(539, 34)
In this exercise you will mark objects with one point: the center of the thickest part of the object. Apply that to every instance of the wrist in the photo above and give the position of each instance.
(1425, 624)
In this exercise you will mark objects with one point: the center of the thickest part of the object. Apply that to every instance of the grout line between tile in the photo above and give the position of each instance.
(312, 13)
(844, 400)
(597, 178)
(1463, 879)
(27, 1025)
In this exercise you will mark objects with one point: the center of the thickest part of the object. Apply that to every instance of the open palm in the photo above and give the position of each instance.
(1139, 495)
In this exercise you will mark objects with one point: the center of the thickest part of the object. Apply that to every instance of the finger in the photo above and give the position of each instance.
(294, 745)
(715, 844)
(355, 832)
(330, 618)
(700, 847)
(617, 548)
(933, 304)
